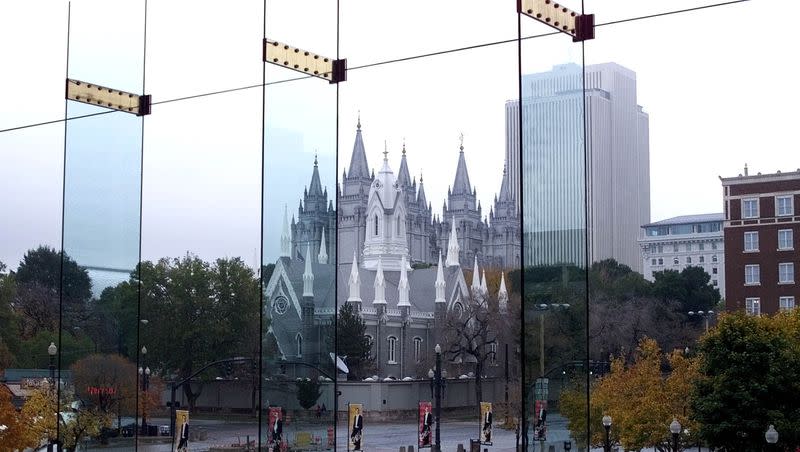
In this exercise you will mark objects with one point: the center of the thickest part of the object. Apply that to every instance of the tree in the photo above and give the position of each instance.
(690, 288)
(12, 429)
(41, 414)
(308, 392)
(641, 400)
(9, 330)
(107, 382)
(353, 343)
(750, 367)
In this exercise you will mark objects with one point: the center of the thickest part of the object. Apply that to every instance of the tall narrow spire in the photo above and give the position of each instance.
(323, 251)
(286, 239)
(484, 289)
(452, 246)
(403, 176)
(461, 184)
(354, 282)
(358, 159)
(502, 294)
(476, 278)
(315, 188)
(402, 286)
(421, 200)
(380, 285)
(440, 284)
(308, 275)
(505, 190)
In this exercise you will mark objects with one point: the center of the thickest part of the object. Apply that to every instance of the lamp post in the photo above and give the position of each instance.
(437, 385)
(704, 314)
(772, 437)
(675, 428)
(607, 425)
(52, 350)
(144, 373)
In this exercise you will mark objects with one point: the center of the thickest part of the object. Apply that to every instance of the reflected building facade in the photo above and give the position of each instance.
(617, 153)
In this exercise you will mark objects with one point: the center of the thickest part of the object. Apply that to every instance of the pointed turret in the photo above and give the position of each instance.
(452, 246)
(402, 286)
(380, 285)
(308, 275)
(502, 294)
(403, 177)
(484, 289)
(505, 190)
(286, 239)
(354, 282)
(315, 188)
(358, 160)
(440, 284)
(476, 278)
(323, 251)
(421, 200)
(461, 184)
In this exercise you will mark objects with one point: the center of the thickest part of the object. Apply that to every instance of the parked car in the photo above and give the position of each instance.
(164, 430)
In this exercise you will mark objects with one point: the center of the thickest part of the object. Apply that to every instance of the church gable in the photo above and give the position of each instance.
(280, 288)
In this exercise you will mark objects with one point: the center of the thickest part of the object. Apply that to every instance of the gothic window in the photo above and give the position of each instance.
(392, 342)
(376, 225)
(299, 339)
(280, 305)
(493, 354)
(417, 348)
(398, 226)
(458, 309)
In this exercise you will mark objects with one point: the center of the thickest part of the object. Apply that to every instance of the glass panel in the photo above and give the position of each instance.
(100, 393)
(299, 236)
(613, 10)
(201, 222)
(554, 188)
(407, 181)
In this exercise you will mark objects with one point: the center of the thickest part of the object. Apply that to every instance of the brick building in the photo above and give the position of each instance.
(761, 227)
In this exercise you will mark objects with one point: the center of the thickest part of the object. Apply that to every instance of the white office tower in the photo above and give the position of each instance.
(554, 172)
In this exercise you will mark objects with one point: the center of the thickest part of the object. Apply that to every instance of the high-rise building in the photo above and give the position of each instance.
(761, 229)
(554, 162)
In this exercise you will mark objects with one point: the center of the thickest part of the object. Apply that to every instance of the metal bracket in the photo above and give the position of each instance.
(284, 55)
(92, 94)
(579, 26)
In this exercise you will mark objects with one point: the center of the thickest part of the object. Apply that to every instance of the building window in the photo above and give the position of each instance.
(714, 271)
(398, 226)
(675, 248)
(493, 354)
(675, 261)
(660, 249)
(652, 262)
(417, 349)
(688, 247)
(376, 225)
(751, 241)
(786, 303)
(713, 245)
(299, 339)
(753, 306)
(785, 239)
(752, 274)
(750, 208)
(702, 259)
(786, 273)
(392, 342)
(784, 205)
(701, 246)
(714, 258)
(714, 283)
(688, 259)
(660, 261)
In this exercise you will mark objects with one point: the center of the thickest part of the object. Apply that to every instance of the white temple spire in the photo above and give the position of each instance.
(380, 285)
(440, 284)
(323, 252)
(308, 275)
(452, 246)
(502, 294)
(484, 289)
(476, 278)
(354, 282)
(402, 286)
(286, 239)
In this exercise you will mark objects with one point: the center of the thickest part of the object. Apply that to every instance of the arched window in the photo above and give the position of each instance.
(714, 258)
(417, 349)
(392, 348)
(398, 226)
(299, 339)
(493, 354)
(376, 225)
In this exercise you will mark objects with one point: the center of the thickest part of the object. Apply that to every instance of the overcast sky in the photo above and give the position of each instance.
(716, 83)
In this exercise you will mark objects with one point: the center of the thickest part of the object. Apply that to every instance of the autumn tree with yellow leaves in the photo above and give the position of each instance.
(642, 399)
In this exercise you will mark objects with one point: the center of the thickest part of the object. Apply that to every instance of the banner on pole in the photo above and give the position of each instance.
(540, 421)
(275, 428)
(181, 443)
(486, 423)
(355, 425)
(425, 425)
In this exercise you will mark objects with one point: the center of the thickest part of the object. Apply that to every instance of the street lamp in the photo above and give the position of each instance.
(704, 314)
(771, 436)
(675, 428)
(145, 375)
(437, 384)
(607, 425)
(544, 307)
(52, 350)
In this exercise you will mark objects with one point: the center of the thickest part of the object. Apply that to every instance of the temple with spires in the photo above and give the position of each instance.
(400, 266)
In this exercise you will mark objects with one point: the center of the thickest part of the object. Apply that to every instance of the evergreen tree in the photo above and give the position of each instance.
(353, 344)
